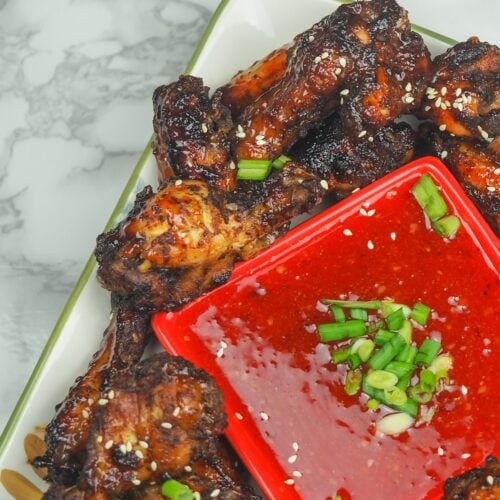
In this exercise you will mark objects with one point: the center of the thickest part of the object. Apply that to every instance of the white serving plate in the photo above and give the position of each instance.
(240, 32)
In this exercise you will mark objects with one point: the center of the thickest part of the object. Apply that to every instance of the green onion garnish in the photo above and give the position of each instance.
(395, 396)
(176, 491)
(329, 332)
(428, 197)
(427, 352)
(447, 226)
(338, 313)
(406, 331)
(341, 355)
(410, 406)
(372, 404)
(395, 319)
(381, 379)
(404, 382)
(388, 307)
(280, 161)
(359, 314)
(418, 394)
(353, 304)
(353, 382)
(400, 369)
(364, 348)
(428, 381)
(354, 360)
(253, 170)
(420, 313)
(407, 354)
(383, 336)
(387, 353)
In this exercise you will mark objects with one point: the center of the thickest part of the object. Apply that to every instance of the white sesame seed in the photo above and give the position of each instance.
(215, 493)
(290, 482)
(344, 92)
(178, 182)
(427, 108)
(292, 459)
(443, 91)
(188, 468)
(408, 87)
(232, 166)
(99, 439)
(260, 142)
(239, 416)
(176, 411)
(489, 480)
(443, 106)
(444, 154)
(393, 236)
(220, 353)
(370, 212)
(448, 105)
(197, 495)
(362, 133)
(465, 455)
(341, 100)
(325, 55)
(442, 127)
(347, 232)
(90, 401)
(338, 71)
(440, 451)
(324, 184)
(136, 482)
(458, 92)
(491, 189)
(259, 137)
(483, 132)
(317, 59)
(166, 425)
(408, 99)
(311, 38)
(204, 128)
(363, 211)
(103, 401)
(355, 190)
(295, 446)
(438, 102)
(343, 61)
(297, 473)
(153, 465)
(240, 135)
(111, 394)
(139, 454)
(464, 390)
(223, 344)
(85, 414)
(129, 446)
(496, 171)
(370, 139)
(143, 444)
(108, 444)
(370, 245)
(123, 449)
(264, 416)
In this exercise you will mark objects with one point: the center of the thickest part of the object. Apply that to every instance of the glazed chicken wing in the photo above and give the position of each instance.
(463, 96)
(184, 240)
(364, 57)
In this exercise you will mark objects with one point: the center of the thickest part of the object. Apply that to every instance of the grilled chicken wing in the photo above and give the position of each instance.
(364, 57)
(463, 96)
(184, 240)
(347, 161)
(66, 435)
(475, 164)
(191, 134)
(482, 483)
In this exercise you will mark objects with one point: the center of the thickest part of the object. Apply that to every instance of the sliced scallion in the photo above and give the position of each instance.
(388, 307)
(357, 313)
(381, 379)
(329, 332)
(383, 336)
(404, 382)
(418, 394)
(341, 355)
(427, 352)
(395, 319)
(428, 381)
(176, 491)
(353, 304)
(406, 331)
(365, 350)
(400, 369)
(428, 197)
(338, 313)
(386, 353)
(443, 362)
(420, 313)
(447, 226)
(372, 404)
(395, 396)
(280, 161)
(353, 382)
(410, 406)
(354, 360)
(407, 354)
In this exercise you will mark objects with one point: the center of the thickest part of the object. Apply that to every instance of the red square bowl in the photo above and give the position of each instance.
(290, 421)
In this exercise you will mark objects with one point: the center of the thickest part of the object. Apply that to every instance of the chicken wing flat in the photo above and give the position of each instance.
(191, 134)
(364, 57)
(347, 161)
(463, 96)
(184, 240)
(474, 163)
(482, 483)
(66, 435)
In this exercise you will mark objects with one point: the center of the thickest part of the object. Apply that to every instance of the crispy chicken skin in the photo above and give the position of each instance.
(184, 240)
(482, 483)
(347, 161)
(474, 163)
(364, 57)
(66, 435)
(191, 134)
(463, 96)
(246, 86)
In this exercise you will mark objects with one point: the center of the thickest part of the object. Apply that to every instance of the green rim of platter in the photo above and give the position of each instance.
(89, 266)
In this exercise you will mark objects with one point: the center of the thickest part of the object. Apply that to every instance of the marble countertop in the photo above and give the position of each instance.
(75, 114)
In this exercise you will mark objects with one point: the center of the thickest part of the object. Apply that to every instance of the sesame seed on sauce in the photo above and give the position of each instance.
(344, 92)
(444, 90)
(408, 87)
(362, 133)
(264, 416)
(136, 482)
(464, 390)
(338, 71)
(497, 171)
(215, 493)
(438, 102)
(90, 401)
(188, 468)
(297, 473)
(196, 495)
(311, 38)
(108, 444)
(129, 446)
(103, 401)
(491, 189)
(232, 166)
(176, 411)
(178, 182)
(363, 211)
(317, 59)
(442, 127)
(85, 414)
(370, 245)
(347, 232)
(259, 137)
(123, 449)
(370, 139)
(427, 108)
(153, 465)
(295, 446)
(324, 184)
(223, 344)
(393, 236)
(260, 142)
(220, 352)
(99, 439)
(290, 482)
(355, 190)
(204, 128)
(483, 132)
(239, 416)
(292, 459)
(444, 154)
(325, 55)
(343, 61)
(458, 92)
(371, 212)
(489, 480)
(139, 454)
(143, 444)
(166, 425)
(465, 455)
(440, 451)
(111, 394)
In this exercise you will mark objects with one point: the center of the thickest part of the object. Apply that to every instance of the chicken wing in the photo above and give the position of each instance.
(347, 161)
(476, 165)
(191, 134)
(364, 57)
(463, 96)
(184, 240)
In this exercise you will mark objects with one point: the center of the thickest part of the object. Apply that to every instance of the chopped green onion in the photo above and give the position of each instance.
(353, 304)
(395, 319)
(419, 394)
(377, 325)
(404, 382)
(381, 379)
(420, 313)
(341, 355)
(442, 375)
(400, 368)
(395, 396)
(280, 161)
(353, 360)
(337, 331)
(427, 381)
(428, 197)
(410, 407)
(447, 226)
(406, 331)
(258, 164)
(388, 307)
(427, 352)
(338, 313)
(353, 382)
(443, 362)
(386, 353)
(383, 336)
(365, 349)
(252, 174)
(176, 491)
(407, 354)
(372, 404)
(359, 314)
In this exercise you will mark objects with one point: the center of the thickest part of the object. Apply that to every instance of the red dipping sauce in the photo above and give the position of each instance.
(289, 417)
